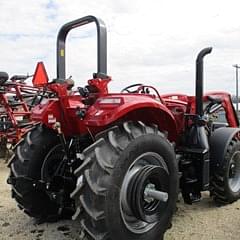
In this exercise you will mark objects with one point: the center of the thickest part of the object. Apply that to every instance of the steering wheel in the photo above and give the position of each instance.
(126, 89)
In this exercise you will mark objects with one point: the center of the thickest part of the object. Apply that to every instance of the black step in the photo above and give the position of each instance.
(192, 150)
(185, 162)
(190, 180)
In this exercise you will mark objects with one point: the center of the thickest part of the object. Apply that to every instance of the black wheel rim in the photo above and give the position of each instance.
(234, 172)
(142, 214)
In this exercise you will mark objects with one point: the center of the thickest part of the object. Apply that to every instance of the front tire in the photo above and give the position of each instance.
(116, 171)
(226, 177)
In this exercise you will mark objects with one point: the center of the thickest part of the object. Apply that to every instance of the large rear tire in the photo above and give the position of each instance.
(116, 171)
(26, 170)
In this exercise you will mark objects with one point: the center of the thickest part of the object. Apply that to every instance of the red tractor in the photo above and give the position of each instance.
(118, 160)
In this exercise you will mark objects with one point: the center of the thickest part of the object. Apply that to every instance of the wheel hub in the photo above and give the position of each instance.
(147, 193)
(151, 193)
(147, 189)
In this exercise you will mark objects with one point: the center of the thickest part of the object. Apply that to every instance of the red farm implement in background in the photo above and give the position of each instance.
(119, 160)
(16, 101)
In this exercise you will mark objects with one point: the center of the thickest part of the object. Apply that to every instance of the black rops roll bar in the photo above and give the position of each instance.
(101, 45)
(199, 79)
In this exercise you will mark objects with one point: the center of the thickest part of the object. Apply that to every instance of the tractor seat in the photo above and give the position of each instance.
(3, 77)
(19, 78)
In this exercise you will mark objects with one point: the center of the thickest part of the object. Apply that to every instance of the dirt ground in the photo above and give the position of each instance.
(201, 221)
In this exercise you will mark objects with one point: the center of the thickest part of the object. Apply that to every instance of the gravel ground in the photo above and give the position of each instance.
(201, 221)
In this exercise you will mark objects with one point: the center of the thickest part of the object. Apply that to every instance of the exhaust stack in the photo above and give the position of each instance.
(199, 79)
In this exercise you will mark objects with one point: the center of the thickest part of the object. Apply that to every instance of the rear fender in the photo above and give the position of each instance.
(161, 118)
(143, 109)
(219, 142)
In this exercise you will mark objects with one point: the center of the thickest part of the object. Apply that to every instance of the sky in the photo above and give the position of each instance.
(149, 41)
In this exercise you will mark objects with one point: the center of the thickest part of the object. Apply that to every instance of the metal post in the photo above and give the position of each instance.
(237, 67)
